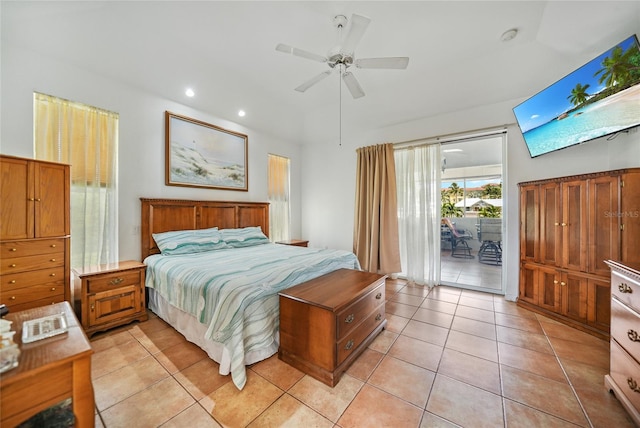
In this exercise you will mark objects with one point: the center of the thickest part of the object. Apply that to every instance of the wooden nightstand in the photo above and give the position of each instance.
(110, 295)
(295, 242)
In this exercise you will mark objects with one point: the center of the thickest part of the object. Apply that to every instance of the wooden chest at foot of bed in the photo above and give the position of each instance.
(325, 323)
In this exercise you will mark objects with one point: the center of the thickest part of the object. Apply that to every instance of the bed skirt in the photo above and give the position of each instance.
(187, 325)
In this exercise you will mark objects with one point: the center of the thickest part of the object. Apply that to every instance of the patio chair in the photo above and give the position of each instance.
(490, 236)
(459, 240)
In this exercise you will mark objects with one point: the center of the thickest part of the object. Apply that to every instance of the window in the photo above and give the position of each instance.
(85, 137)
(279, 209)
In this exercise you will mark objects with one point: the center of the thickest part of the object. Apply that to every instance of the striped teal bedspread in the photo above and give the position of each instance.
(235, 291)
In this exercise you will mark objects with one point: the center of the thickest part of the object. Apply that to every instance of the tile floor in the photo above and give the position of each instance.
(448, 357)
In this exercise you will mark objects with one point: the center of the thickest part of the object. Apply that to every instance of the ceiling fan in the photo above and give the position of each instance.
(342, 55)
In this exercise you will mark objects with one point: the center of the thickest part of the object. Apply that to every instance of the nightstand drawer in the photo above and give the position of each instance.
(625, 371)
(108, 282)
(625, 327)
(626, 290)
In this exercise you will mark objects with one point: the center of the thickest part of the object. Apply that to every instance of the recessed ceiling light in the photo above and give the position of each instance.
(189, 92)
(241, 113)
(509, 35)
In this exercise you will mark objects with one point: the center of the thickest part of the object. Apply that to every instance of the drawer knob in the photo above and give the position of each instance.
(116, 281)
(13, 250)
(53, 260)
(349, 344)
(633, 335)
(53, 288)
(625, 288)
(53, 274)
(633, 385)
(378, 296)
(53, 245)
(349, 319)
(12, 265)
(378, 317)
(12, 298)
(13, 281)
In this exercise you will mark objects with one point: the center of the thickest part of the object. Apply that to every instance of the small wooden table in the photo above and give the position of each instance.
(295, 242)
(327, 322)
(49, 371)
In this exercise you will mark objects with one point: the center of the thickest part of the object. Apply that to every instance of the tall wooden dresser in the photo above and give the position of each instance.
(624, 366)
(34, 233)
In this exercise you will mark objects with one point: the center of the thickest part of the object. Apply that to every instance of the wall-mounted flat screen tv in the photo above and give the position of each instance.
(600, 98)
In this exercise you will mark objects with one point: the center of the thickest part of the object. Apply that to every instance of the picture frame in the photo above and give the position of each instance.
(199, 154)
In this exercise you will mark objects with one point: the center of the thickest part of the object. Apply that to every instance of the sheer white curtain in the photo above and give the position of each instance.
(279, 189)
(85, 137)
(418, 181)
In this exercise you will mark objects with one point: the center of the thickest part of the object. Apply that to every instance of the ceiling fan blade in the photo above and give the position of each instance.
(300, 52)
(309, 83)
(359, 25)
(399, 62)
(353, 85)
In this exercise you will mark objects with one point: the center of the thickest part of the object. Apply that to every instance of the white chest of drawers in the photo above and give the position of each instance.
(624, 369)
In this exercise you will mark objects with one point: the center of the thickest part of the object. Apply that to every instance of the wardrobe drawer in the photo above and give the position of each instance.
(20, 296)
(349, 318)
(39, 261)
(13, 249)
(625, 371)
(625, 289)
(11, 281)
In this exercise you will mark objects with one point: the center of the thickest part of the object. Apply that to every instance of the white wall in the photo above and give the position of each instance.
(329, 173)
(141, 137)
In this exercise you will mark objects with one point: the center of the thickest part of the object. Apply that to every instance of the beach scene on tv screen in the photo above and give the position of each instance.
(600, 98)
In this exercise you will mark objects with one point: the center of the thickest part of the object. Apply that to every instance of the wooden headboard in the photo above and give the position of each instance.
(162, 215)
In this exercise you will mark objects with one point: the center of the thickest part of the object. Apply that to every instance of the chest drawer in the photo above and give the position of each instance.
(353, 340)
(625, 327)
(352, 316)
(108, 282)
(625, 289)
(11, 281)
(625, 371)
(13, 249)
(27, 263)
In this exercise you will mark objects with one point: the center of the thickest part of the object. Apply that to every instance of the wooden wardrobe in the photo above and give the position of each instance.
(34, 233)
(569, 227)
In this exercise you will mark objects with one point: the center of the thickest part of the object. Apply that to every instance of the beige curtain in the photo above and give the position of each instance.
(85, 137)
(279, 210)
(375, 236)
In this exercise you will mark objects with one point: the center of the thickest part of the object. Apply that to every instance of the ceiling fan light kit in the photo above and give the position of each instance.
(342, 55)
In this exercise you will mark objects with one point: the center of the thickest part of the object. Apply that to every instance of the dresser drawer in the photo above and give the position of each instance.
(21, 296)
(27, 263)
(107, 282)
(11, 281)
(625, 289)
(352, 316)
(625, 371)
(353, 340)
(625, 327)
(13, 249)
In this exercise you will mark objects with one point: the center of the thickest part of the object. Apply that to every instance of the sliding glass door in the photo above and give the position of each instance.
(472, 212)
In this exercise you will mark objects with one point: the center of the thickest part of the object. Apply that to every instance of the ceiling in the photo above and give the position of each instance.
(226, 52)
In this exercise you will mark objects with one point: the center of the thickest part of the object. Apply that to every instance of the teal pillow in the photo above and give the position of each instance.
(244, 237)
(189, 241)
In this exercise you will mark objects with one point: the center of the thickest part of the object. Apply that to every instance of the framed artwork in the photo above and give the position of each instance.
(198, 154)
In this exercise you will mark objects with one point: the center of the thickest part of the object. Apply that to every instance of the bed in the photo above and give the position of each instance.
(214, 276)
